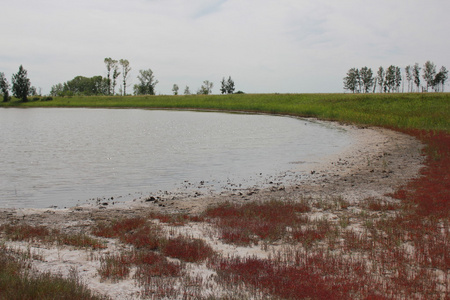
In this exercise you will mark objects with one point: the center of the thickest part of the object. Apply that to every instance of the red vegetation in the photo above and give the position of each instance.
(24, 232)
(175, 219)
(115, 229)
(380, 205)
(431, 192)
(151, 264)
(303, 276)
(189, 250)
(244, 224)
(135, 231)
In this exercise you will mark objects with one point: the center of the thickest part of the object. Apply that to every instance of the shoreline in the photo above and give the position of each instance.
(379, 162)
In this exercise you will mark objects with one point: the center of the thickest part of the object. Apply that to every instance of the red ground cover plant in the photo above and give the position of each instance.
(431, 191)
(187, 249)
(301, 276)
(400, 251)
(175, 219)
(244, 224)
(116, 228)
(135, 231)
(26, 232)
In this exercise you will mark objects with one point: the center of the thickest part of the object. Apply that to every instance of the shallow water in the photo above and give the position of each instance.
(63, 157)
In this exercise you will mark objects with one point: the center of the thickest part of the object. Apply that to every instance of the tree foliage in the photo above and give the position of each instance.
(227, 86)
(125, 71)
(21, 84)
(440, 79)
(351, 81)
(83, 86)
(4, 87)
(393, 79)
(416, 75)
(390, 80)
(206, 88)
(146, 84)
(409, 77)
(366, 78)
(429, 73)
(380, 77)
(175, 89)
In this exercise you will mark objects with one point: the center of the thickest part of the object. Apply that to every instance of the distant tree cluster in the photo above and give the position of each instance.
(390, 80)
(21, 86)
(96, 85)
(80, 85)
(99, 85)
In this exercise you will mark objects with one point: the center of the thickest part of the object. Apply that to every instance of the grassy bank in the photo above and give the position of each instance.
(403, 111)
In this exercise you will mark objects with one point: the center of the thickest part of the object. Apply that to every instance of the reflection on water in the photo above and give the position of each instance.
(55, 157)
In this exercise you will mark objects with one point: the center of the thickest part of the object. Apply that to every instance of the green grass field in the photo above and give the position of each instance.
(428, 111)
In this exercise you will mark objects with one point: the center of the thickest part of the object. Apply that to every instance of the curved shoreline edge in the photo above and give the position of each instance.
(379, 161)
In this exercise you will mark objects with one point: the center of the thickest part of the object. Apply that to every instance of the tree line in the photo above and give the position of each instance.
(390, 80)
(21, 86)
(99, 85)
(147, 82)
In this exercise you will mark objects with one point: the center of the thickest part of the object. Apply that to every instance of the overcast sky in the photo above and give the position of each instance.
(266, 46)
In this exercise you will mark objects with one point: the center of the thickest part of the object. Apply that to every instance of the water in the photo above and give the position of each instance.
(63, 157)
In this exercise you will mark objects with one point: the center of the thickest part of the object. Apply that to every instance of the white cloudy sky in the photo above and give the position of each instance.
(285, 46)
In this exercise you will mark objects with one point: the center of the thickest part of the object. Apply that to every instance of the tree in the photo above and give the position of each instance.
(416, 75)
(109, 65)
(380, 78)
(444, 77)
(223, 88)
(57, 90)
(85, 86)
(429, 73)
(409, 76)
(390, 79)
(351, 81)
(227, 86)
(398, 79)
(206, 88)
(230, 86)
(175, 89)
(440, 79)
(116, 74)
(366, 78)
(21, 84)
(187, 91)
(4, 87)
(146, 84)
(125, 70)
(33, 91)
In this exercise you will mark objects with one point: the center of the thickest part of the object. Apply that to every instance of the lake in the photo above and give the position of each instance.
(64, 157)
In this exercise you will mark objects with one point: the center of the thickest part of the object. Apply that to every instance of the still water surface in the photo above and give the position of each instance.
(62, 157)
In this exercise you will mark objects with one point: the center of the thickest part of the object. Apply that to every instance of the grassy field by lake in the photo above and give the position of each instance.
(425, 111)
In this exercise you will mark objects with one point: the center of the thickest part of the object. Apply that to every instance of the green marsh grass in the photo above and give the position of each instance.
(17, 281)
(428, 111)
